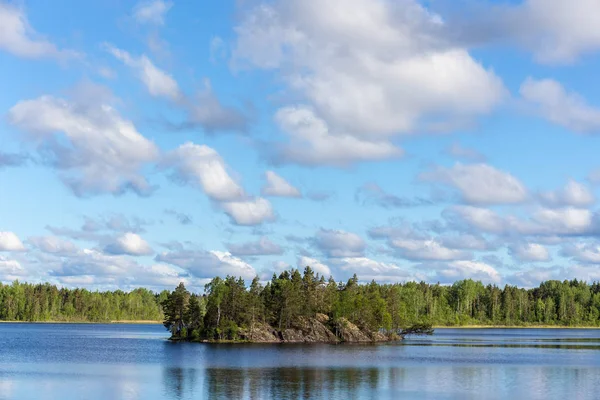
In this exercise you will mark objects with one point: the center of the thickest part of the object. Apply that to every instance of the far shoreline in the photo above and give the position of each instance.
(152, 322)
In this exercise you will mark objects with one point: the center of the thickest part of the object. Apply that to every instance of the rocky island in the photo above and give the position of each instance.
(291, 308)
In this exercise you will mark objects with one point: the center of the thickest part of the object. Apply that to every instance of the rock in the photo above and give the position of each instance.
(309, 330)
(313, 330)
(349, 332)
(322, 318)
(260, 333)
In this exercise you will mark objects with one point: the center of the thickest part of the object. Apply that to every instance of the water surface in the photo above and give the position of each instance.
(55, 361)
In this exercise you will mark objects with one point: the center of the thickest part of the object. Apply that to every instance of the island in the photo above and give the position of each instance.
(291, 308)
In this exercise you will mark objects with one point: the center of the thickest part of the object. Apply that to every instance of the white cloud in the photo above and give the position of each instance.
(338, 243)
(203, 166)
(250, 211)
(10, 242)
(53, 245)
(465, 241)
(315, 265)
(104, 152)
(543, 221)
(572, 194)
(551, 100)
(11, 270)
(278, 186)
(431, 249)
(152, 12)
(475, 270)
(480, 183)
(130, 244)
(157, 82)
(208, 264)
(19, 38)
(378, 69)
(93, 268)
(583, 252)
(313, 143)
(567, 220)
(367, 269)
(559, 31)
(529, 252)
(263, 246)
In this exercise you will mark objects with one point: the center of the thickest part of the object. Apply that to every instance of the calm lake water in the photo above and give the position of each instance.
(137, 362)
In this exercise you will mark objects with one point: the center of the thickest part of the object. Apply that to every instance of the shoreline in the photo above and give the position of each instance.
(515, 327)
(153, 322)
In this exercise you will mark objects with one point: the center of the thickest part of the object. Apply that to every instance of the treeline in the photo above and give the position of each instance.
(46, 302)
(228, 305)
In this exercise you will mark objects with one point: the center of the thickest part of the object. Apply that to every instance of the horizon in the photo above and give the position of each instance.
(147, 143)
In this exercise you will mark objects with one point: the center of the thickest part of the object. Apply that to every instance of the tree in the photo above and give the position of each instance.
(175, 307)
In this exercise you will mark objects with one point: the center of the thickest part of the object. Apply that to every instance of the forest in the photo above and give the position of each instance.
(228, 305)
(45, 303)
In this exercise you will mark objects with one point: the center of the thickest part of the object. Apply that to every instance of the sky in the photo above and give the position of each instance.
(143, 144)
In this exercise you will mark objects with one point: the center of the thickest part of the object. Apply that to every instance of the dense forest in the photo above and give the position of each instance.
(46, 302)
(228, 305)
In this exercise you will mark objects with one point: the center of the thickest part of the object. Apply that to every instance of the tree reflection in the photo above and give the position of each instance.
(179, 381)
(290, 383)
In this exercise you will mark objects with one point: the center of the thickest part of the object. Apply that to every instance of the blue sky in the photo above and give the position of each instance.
(147, 143)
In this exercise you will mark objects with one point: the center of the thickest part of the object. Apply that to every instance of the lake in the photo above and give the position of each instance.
(81, 361)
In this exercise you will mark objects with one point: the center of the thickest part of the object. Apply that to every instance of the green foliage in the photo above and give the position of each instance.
(46, 302)
(391, 308)
(228, 306)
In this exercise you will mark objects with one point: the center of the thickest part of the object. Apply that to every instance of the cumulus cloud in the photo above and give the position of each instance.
(463, 269)
(314, 264)
(543, 221)
(203, 166)
(278, 186)
(208, 264)
(559, 32)
(89, 267)
(367, 269)
(104, 152)
(9, 241)
(375, 71)
(479, 183)
(587, 253)
(151, 12)
(157, 82)
(19, 38)
(261, 247)
(204, 109)
(372, 193)
(529, 252)
(430, 249)
(549, 99)
(129, 244)
(53, 245)
(11, 270)
(311, 142)
(250, 211)
(572, 194)
(338, 243)
(465, 242)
